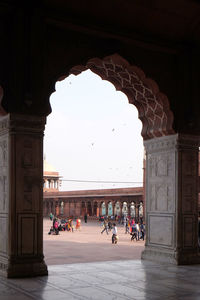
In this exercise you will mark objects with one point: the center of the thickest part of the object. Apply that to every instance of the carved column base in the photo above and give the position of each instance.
(158, 255)
(25, 270)
(169, 256)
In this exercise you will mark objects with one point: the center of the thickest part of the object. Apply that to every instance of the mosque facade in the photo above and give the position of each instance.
(94, 203)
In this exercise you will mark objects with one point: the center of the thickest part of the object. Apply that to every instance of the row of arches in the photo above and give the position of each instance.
(119, 209)
(95, 208)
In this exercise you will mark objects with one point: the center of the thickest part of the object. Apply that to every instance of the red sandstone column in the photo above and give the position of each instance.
(66, 208)
(57, 208)
(78, 208)
(54, 208)
(98, 209)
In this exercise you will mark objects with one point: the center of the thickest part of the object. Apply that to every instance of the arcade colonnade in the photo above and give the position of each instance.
(46, 41)
(116, 204)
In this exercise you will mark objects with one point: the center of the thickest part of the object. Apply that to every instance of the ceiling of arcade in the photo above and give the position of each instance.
(51, 38)
(178, 19)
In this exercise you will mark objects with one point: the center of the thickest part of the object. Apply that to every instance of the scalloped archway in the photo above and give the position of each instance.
(153, 106)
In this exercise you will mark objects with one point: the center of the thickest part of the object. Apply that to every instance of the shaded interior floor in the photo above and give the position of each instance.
(130, 279)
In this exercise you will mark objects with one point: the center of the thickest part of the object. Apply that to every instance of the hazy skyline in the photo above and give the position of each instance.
(93, 133)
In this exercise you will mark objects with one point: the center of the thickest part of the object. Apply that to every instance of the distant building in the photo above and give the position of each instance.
(119, 201)
(51, 178)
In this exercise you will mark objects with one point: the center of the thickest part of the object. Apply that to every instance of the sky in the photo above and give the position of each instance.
(93, 134)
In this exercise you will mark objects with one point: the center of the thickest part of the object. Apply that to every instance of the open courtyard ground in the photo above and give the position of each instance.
(88, 245)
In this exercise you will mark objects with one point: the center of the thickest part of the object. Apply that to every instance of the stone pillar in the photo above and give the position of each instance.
(66, 208)
(121, 207)
(171, 199)
(98, 208)
(137, 212)
(71, 208)
(92, 208)
(128, 208)
(21, 196)
(78, 209)
(57, 207)
(53, 207)
(48, 208)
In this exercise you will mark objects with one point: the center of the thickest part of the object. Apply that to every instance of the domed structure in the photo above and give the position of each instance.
(51, 177)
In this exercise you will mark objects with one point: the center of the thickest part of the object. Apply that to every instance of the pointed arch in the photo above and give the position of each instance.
(153, 106)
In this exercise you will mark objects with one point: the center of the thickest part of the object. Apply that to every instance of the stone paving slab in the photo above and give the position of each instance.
(133, 280)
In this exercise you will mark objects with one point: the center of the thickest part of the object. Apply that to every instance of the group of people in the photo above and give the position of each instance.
(63, 225)
(135, 229)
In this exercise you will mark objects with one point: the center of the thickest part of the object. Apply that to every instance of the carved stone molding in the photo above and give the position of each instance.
(188, 142)
(22, 123)
(176, 141)
(161, 144)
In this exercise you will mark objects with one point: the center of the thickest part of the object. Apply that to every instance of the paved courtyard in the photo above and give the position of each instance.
(119, 278)
(88, 245)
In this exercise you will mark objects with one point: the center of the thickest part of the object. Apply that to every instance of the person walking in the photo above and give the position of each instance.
(51, 216)
(138, 231)
(126, 226)
(133, 232)
(109, 225)
(114, 234)
(105, 227)
(55, 226)
(85, 218)
(142, 231)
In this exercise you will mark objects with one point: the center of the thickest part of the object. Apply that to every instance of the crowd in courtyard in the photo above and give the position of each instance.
(108, 224)
(135, 229)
